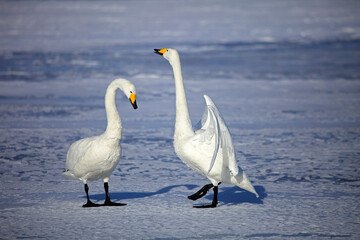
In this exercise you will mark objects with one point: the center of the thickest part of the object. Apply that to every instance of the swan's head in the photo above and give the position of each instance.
(169, 54)
(128, 89)
(130, 92)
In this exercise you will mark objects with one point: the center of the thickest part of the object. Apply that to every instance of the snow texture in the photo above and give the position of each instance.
(284, 74)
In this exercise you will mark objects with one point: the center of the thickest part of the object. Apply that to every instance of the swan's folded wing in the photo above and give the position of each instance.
(77, 151)
(222, 137)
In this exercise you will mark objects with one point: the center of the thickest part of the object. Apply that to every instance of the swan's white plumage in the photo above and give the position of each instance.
(92, 158)
(96, 157)
(213, 126)
(208, 150)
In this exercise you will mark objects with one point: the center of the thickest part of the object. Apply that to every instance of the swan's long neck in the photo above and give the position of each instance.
(114, 126)
(183, 125)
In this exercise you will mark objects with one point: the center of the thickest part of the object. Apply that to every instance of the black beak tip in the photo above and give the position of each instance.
(157, 51)
(134, 105)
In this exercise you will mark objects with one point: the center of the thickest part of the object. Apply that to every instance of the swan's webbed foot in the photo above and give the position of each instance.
(205, 206)
(214, 202)
(110, 203)
(202, 192)
(91, 204)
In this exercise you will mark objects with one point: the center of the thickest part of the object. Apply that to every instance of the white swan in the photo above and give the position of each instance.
(96, 157)
(208, 150)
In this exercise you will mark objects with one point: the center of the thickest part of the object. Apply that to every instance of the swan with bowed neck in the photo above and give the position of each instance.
(96, 157)
(208, 150)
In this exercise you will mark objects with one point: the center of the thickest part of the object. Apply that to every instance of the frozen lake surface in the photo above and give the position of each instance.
(284, 75)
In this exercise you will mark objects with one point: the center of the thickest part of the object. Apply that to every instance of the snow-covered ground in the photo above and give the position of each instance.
(284, 74)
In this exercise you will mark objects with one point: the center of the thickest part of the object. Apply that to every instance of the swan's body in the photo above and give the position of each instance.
(96, 157)
(208, 150)
(93, 158)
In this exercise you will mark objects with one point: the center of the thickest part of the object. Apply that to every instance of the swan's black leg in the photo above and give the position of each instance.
(215, 198)
(202, 192)
(89, 203)
(108, 202)
(214, 202)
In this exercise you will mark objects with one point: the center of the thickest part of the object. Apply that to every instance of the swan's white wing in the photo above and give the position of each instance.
(214, 126)
(203, 120)
(77, 151)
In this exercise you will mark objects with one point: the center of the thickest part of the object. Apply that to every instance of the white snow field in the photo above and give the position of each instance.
(285, 76)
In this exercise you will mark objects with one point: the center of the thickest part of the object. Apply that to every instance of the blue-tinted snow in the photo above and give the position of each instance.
(284, 74)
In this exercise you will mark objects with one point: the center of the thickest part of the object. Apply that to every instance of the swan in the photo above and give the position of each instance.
(208, 150)
(93, 158)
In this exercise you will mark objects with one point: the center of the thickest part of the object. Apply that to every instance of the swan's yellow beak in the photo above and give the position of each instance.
(132, 99)
(160, 51)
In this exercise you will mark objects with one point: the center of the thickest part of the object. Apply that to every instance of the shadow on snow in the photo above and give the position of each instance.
(132, 195)
(235, 195)
(227, 195)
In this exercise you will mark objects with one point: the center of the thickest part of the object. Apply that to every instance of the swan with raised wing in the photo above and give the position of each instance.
(93, 158)
(208, 150)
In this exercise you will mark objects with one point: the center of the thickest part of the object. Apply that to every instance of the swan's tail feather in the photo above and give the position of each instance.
(68, 174)
(243, 182)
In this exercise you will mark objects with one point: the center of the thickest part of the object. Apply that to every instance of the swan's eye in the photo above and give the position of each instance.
(130, 91)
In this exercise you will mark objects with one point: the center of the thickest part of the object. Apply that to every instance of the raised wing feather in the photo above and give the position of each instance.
(214, 126)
